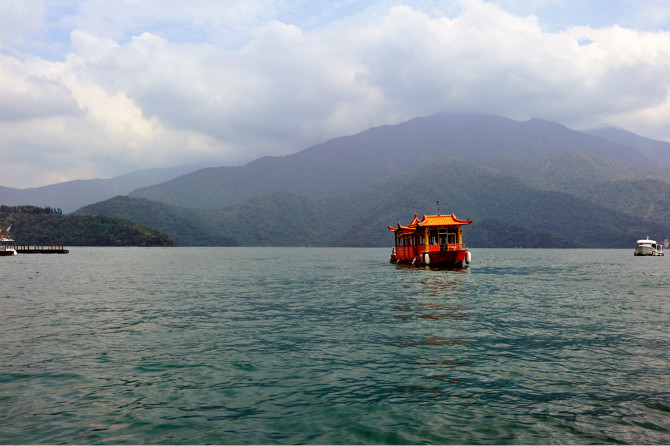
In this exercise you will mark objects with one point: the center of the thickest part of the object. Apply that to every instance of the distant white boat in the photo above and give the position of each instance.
(648, 248)
(7, 246)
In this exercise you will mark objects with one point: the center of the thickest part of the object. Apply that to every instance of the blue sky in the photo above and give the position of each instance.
(98, 88)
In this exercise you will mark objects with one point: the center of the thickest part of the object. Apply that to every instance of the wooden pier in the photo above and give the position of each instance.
(41, 249)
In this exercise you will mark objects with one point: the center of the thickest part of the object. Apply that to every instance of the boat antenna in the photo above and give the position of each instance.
(438, 207)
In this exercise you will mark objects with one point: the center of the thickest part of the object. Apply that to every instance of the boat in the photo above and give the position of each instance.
(435, 240)
(7, 246)
(648, 248)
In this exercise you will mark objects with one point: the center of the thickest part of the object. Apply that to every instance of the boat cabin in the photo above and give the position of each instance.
(648, 248)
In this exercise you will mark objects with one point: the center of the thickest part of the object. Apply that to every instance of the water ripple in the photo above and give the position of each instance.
(227, 345)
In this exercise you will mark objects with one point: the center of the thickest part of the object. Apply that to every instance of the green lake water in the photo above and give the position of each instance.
(334, 345)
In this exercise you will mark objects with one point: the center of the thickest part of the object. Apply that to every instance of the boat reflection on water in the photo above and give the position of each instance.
(436, 296)
(433, 349)
(439, 267)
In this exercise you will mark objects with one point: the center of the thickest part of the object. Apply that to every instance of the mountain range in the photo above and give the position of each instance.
(533, 184)
(502, 208)
(71, 195)
(344, 164)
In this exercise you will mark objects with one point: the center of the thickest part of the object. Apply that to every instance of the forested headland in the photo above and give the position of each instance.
(32, 225)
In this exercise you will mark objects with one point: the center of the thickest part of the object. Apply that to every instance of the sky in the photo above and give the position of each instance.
(99, 88)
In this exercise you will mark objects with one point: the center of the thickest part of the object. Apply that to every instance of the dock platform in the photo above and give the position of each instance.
(41, 249)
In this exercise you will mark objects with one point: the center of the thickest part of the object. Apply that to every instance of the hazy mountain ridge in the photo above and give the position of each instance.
(657, 151)
(339, 165)
(71, 195)
(344, 164)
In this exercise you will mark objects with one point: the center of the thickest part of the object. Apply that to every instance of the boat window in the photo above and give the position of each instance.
(399, 241)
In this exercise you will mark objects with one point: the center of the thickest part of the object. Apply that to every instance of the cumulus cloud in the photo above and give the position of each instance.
(19, 18)
(146, 87)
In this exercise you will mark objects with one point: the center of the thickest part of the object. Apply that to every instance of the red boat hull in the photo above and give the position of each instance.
(435, 258)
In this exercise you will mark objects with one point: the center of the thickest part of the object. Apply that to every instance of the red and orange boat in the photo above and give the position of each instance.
(434, 240)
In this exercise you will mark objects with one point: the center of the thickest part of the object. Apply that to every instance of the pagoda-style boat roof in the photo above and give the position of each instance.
(429, 221)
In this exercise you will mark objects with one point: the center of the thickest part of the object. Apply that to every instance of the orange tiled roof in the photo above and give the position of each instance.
(402, 228)
(430, 220)
(441, 220)
(409, 228)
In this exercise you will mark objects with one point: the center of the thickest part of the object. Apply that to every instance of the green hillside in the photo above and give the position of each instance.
(278, 219)
(44, 226)
(479, 194)
(182, 225)
(631, 190)
(505, 212)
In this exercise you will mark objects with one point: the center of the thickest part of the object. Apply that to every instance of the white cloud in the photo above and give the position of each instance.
(18, 18)
(149, 85)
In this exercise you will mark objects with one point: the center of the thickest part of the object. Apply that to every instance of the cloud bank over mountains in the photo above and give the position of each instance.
(99, 88)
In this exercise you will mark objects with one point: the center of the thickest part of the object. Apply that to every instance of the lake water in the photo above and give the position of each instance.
(307, 345)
